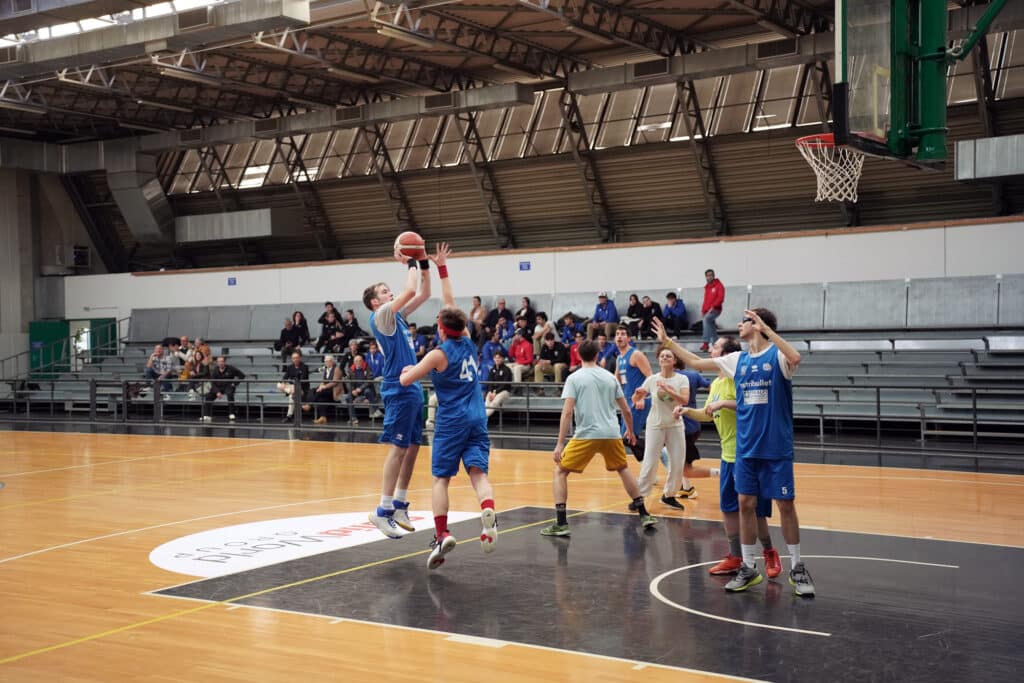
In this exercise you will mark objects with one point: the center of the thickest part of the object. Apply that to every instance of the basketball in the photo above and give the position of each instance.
(411, 245)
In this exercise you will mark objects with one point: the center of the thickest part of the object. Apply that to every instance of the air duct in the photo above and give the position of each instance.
(238, 225)
(22, 16)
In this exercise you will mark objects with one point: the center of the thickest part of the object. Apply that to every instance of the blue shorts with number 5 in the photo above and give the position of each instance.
(767, 478)
(728, 500)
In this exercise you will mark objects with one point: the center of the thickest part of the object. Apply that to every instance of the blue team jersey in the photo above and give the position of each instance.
(460, 403)
(632, 379)
(764, 407)
(398, 352)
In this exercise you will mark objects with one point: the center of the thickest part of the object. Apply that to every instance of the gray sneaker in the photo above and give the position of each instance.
(744, 579)
(801, 581)
(555, 530)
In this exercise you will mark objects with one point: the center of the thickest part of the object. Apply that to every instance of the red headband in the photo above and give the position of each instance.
(449, 332)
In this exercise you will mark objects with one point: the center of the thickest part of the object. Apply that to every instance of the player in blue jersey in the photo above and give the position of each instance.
(403, 406)
(764, 436)
(460, 431)
(631, 369)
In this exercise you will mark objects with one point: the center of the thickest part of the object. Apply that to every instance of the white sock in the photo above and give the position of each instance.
(749, 555)
(400, 495)
(387, 502)
(686, 485)
(794, 554)
(714, 471)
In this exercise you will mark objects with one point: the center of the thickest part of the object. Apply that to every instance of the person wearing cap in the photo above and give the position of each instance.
(606, 317)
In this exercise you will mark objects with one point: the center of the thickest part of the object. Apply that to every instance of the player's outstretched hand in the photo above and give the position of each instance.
(399, 256)
(659, 330)
(759, 324)
(440, 257)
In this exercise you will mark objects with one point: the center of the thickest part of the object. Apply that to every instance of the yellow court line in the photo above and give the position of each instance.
(127, 489)
(265, 591)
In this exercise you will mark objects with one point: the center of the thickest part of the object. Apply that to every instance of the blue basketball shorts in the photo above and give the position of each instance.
(403, 418)
(469, 444)
(729, 500)
(767, 478)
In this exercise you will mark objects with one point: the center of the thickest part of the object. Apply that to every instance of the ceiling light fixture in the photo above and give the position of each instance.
(186, 75)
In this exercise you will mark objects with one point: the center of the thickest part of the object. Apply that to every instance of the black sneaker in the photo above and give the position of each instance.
(801, 581)
(672, 502)
(744, 579)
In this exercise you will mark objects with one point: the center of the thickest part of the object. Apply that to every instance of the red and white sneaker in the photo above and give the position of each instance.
(729, 565)
(489, 534)
(772, 564)
(441, 547)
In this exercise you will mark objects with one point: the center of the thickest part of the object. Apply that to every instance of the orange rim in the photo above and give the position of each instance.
(818, 140)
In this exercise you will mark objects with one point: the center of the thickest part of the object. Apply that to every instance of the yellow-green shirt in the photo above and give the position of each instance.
(724, 389)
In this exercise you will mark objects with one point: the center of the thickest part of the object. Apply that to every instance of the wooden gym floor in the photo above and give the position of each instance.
(80, 515)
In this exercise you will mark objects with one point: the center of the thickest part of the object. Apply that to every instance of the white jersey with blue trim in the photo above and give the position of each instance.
(764, 403)
(392, 334)
(459, 399)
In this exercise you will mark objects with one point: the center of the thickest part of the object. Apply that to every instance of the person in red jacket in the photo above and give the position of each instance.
(714, 297)
(521, 355)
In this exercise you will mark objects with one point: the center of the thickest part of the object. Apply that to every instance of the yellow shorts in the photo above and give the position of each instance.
(579, 452)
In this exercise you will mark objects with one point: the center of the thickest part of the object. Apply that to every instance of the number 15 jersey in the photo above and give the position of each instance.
(460, 402)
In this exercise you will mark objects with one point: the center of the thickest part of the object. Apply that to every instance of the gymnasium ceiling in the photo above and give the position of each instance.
(600, 166)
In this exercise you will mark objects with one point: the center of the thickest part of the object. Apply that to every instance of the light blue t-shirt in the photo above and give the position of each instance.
(596, 391)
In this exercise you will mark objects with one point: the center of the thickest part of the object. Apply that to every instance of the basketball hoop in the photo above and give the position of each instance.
(837, 168)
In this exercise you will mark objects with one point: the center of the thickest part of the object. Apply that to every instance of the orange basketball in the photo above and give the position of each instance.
(411, 245)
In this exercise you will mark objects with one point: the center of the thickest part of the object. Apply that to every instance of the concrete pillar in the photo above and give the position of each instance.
(17, 261)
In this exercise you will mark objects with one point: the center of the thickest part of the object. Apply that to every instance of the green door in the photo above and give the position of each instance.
(49, 348)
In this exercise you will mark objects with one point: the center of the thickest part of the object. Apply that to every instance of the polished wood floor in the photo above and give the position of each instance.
(79, 514)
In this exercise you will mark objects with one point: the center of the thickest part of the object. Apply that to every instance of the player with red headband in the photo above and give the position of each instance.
(460, 432)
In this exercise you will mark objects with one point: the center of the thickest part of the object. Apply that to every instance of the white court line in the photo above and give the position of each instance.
(491, 642)
(124, 460)
(885, 478)
(656, 590)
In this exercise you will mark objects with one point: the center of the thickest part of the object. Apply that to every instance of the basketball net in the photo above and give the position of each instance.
(837, 168)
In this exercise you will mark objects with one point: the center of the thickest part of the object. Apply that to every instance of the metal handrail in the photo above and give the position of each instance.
(22, 360)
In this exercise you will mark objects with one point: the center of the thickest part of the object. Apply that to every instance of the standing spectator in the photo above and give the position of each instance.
(289, 340)
(158, 368)
(331, 335)
(575, 362)
(328, 308)
(350, 326)
(375, 359)
(569, 328)
(361, 389)
(498, 319)
(491, 347)
(297, 371)
(605, 317)
(634, 312)
(676, 319)
(329, 390)
(649, 311)
(299, 320)
(184, 350)
(223, 381)
(526, 310)
(521, 355)
(478, 316)
(419, 341)
(554, 360)
(541, 330)
(714, 297)
(499, 381)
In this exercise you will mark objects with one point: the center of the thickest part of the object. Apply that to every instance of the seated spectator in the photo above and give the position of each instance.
(331, 337)
(375, 359)
(676, 319)
(605, 317)
(575, 362)
(158, 368)
(508, 331)
(633, 315)
(361, 388)
(205, 349)
(197, 372)
(521, 355)
(541, 330)
(348, 358)
(650, 311)
(498, 318)
(223, 382)
(499, 381)
(297, 371)
(478, 316)
(184, 350)
(526, 311)
(570, 327)
(289, 340)
(490, 348)
(299, 320)
(329, 390)
(350, 326)
(553, 361)
(328, 308)
(419, 341)
(605, 352)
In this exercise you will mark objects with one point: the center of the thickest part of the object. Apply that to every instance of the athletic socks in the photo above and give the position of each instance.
(440, 526)
(400, 495)
(766, 542)
(560, 518)
(638, 505)
(749, 555)
(387, 502)
(794, 553)
(734, 546)
(489, 503)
